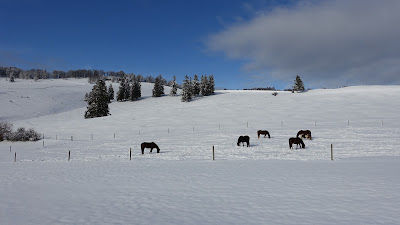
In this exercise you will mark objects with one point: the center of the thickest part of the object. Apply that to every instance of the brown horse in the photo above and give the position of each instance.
(297, 141)
(265, 132)
(150, 145)
(304, 134)
(243, 139)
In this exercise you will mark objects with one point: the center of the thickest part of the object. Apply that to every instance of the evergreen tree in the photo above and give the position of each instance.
(186, 90)
(204, 85)
(298, 84)
(110, 93)
(196, 86)
(211, 85)
(158, 89)
(135, 89)
(128, 87)
(174, 88)
(121, 91)
(98, 101)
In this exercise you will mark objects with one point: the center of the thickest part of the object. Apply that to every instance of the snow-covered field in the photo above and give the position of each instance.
(265, 184)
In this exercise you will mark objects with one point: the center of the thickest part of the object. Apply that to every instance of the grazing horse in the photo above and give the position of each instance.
(297, 141)
(265, 132)
(243, 139)
(150, 145)
(304, 134)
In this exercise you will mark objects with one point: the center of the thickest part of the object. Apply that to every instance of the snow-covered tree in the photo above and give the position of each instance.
(110, 93)
(196, 86)
(158, 89)
(122, 90)
(204, 85)
(298, 84)
(98, 101)
(211, 85)
(174, 87)
(135, 89)
(186, 90)
(128, 88)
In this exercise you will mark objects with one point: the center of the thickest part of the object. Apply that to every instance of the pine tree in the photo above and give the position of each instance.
(174, 88)
(196, 86)
(186, 90)
(110, 93)
(127, 90)
(211, 85)
(121, 91)
(135, 89)
(298, 84)
(98, 101)
(158, 89)
(204, 85)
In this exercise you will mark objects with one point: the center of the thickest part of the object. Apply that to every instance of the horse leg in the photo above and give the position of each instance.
(248, 144)
(151, 150)
(142, 151)
(258, 136)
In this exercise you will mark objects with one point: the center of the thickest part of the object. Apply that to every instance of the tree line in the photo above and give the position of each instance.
(92, 75)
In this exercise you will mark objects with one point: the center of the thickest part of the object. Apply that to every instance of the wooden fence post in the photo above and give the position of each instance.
(348, 122)
(15, 157)
(56, 136)
(331, 152)
(69, 155)
(92, 137)
(114, 135)
(72, 139)
(10, 148)
(130, 153)
(213, 154)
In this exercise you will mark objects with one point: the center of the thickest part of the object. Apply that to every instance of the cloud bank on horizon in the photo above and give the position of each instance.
(328, 43)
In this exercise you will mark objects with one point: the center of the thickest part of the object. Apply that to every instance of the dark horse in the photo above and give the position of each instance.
(265, 132)
(297, 141)
(244, 139)
(304, 134)
(150, 145)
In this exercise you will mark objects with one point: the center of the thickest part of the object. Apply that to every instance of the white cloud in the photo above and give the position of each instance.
(329, 43)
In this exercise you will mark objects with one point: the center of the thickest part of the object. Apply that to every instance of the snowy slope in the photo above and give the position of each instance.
(265, 184)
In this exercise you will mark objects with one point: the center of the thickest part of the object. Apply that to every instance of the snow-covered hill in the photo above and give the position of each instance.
(256, 185)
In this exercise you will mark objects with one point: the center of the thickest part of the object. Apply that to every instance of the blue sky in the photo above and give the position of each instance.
(242, 43)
